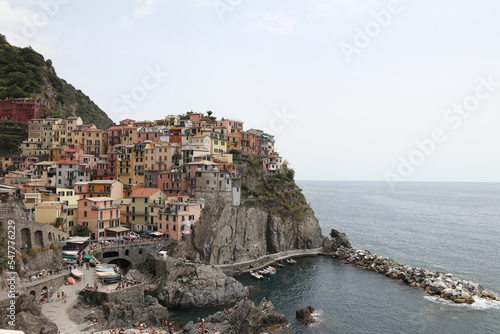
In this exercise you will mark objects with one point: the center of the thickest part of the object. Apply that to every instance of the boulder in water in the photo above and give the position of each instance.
(304, 315)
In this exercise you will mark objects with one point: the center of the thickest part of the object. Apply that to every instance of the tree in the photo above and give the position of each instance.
(209, 113)
(81, 231)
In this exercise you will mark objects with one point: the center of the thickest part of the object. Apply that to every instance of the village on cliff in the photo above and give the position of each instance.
(148, 177)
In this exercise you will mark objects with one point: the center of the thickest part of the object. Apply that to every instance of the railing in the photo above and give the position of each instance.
(104, 207)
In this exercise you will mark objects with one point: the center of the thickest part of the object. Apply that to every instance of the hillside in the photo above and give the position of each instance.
(25, 73)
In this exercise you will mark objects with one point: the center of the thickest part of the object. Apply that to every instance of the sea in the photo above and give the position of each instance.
(444, 227)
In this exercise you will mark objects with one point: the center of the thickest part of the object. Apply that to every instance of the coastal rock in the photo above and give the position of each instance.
(198, 286)
(118, 309)
(304, 315)
(243, 318)
(273, 216)
(337, 239)
(30, 319)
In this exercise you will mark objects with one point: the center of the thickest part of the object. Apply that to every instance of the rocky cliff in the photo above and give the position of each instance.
(274, 216)
(198, 286)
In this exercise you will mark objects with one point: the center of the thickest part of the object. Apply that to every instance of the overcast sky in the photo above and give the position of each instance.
(352, 89)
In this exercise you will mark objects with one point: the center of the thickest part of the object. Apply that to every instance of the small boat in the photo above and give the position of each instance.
(256, 275)
(76, 273)
(108, 274)
(279, 264)
(101, 269)
(271, 270)
(264, 272)
(108, 266)
(291, 261)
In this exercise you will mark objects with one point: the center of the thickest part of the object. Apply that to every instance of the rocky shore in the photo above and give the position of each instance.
(243, 318)
(438, 284)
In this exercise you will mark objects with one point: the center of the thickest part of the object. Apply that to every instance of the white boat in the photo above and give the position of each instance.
(76, 273)
(264, 272)
(105, 267)
(279, 264)
(291, 261)
(256, 275)
(107, 274)
(271, 270)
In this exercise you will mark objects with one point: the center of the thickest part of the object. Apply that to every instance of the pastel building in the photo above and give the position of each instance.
(102, 216)
(142, 214)
(99, 188)
(179, 216)
(70, 172)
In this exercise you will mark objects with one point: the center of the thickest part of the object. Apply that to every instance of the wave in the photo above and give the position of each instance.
(318, 315)
(480, 304)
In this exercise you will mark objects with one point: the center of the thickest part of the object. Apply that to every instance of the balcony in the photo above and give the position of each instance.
(105, 207)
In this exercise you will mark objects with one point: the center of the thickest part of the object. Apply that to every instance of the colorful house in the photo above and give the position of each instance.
(102, 216)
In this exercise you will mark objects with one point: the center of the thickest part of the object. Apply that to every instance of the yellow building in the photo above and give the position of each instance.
(91, 141)
(144, 208)
(48, 212)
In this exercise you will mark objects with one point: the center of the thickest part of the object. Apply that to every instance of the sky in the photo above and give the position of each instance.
(352, 89)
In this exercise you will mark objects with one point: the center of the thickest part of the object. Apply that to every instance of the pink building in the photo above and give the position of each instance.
(179, 216)
(172, 182)
(102, 216)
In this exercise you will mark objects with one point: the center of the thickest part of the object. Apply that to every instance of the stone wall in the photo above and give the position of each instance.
(28, 234)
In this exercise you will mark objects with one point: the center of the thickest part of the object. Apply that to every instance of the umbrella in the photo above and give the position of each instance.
(71, 281)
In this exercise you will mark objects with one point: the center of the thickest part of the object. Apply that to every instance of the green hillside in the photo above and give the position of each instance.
(25, 73)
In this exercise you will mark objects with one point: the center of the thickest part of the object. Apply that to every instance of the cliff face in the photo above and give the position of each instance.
(273, 217)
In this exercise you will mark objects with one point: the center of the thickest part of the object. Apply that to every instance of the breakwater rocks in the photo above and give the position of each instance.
(243, 318)
(435, 283)
(198, 286)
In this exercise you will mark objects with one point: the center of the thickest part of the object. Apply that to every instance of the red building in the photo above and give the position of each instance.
(22, 110)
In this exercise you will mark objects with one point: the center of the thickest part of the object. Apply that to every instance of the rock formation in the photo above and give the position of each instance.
(198, 286)
(273, 216)
(29, 317)
(442, 285)
(118, 309)
(243, 318)
(337, 239)
(304, 315)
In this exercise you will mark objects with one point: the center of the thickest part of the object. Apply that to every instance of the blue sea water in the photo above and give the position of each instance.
(446, 227)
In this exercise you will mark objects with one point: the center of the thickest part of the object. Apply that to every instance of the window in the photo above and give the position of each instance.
(84, 203)
(85, 213)
(71, 223)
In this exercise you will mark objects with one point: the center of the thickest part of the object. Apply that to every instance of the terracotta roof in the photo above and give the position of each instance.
(144, 192)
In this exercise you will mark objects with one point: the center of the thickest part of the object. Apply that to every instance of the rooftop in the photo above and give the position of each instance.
(144, 192)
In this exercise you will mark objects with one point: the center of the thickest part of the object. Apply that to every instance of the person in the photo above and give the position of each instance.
(58, 295)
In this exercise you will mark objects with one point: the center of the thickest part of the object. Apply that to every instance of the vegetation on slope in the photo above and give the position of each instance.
(25, 73)
(277, 192)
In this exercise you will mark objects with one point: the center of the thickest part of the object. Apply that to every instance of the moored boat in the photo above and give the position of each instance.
(271, 270)
(291, 261)
(256, 275)
(279, 264)
(76, 273)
